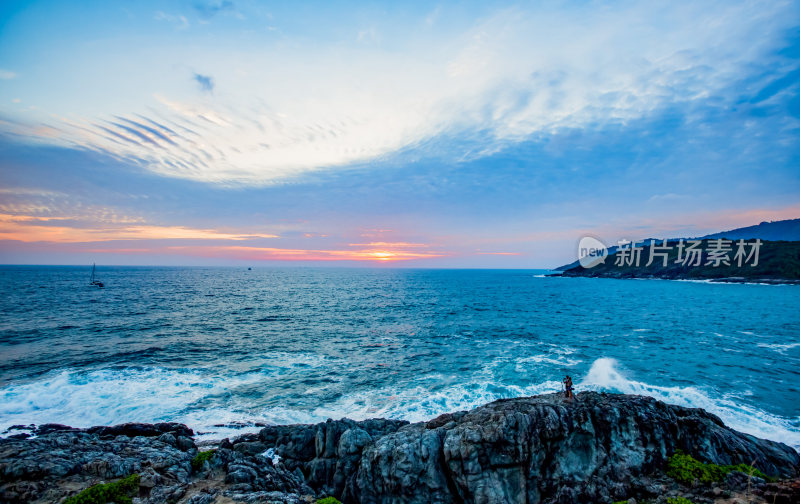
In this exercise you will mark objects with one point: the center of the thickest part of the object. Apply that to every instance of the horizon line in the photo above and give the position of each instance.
(284, 265)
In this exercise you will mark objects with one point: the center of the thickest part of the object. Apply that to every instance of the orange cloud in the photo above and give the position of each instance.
(61, 230)
(499, 253)
(275, 254)
(389, 244)
(27, 229)
(279, 254)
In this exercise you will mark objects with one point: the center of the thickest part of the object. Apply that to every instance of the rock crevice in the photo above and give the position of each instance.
(596, 448)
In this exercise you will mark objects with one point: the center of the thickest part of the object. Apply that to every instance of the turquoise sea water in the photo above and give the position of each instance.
(222, 349)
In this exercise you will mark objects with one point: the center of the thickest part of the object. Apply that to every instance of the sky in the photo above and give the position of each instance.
(410, 134)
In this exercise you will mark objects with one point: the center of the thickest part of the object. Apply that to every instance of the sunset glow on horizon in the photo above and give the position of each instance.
(455, 135)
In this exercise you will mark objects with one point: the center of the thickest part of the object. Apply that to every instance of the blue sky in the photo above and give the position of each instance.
(449, 134)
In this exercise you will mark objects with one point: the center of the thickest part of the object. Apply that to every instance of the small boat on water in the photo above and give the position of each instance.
(92, 281)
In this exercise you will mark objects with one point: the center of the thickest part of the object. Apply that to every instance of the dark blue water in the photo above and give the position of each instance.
(210, 346)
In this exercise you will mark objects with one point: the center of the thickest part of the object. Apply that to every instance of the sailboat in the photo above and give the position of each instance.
(92, 281)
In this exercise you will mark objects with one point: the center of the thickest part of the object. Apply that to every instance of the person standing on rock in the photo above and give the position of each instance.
(568, 387)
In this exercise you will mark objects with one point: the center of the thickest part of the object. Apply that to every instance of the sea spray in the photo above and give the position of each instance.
(204, 401)
(605, 375)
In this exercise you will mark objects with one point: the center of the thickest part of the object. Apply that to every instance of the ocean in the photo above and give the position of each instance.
(227, 349)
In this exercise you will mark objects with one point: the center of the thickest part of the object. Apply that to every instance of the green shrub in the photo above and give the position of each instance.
(119, 492)
(685, 469)
(328, 500)
(200, 459)
(679, 500)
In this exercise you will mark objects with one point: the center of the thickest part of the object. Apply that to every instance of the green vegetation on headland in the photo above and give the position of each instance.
(119, 492)
(201, 458)
(679, 500)
(685, 469)
(778, 261)
(328, 500)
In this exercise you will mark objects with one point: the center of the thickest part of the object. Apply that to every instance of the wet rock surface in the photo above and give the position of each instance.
(60, 461)
(327, 454)
(597, 448)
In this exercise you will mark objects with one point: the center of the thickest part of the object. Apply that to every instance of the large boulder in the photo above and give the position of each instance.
(548, 449)
(61, 461)
(595, 448)
(326, 454)
(47, 467)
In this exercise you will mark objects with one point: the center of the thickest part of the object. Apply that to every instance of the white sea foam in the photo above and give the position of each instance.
(417, 403)
(780, 348)
(104, 397)
(207, 401)
(548, 359)
(605, 375)
(421, 403)
(111, 396)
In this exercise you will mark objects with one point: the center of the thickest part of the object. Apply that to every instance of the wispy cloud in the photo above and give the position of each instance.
(179, 21)
(211, 9)
(518, 75)
(50, 229)
(7, 75)
(205, 82)
(285, 254)
(258, 254)
(390, 245)
(367, 35)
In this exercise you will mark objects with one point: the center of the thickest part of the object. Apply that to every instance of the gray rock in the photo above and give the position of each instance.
(545, 449)
(240, 474)
(206, 496)
(264, 497)
(135, 429)
(59, 461)
(250, 447)
(184, 443)
(168, 438)
(598, 448)
(539, 449)
(314, 450)
(169, 493)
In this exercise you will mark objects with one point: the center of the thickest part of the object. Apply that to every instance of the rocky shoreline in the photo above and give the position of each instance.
(542, 449)
(627, 275)
(778, 264)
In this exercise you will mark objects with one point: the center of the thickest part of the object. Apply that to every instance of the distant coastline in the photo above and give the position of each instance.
(778, 263)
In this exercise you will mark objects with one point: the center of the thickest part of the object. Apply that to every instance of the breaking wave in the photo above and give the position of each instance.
(215, 406)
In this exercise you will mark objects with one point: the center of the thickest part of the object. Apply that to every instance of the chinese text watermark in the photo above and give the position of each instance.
(689, 253)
